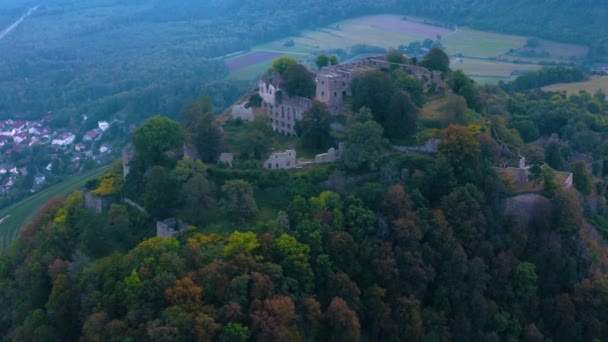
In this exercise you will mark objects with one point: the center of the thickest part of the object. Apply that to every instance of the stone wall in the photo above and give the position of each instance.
(171, 227)
(331, 156)
(128, 153)
(281, 160)
(97, 204)
(243, 113)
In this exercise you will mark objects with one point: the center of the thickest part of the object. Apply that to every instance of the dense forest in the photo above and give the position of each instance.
(384, 246)
(107, 57)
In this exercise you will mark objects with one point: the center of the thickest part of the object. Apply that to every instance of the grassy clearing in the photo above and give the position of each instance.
(474, 43)
(590, 86)
(491, 72)
(485, 68)
(19, 213)
(234, 134)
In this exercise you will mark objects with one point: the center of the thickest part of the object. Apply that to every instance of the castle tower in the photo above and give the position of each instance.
(331, 88)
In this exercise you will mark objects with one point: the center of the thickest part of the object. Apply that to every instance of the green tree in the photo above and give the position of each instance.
(462, 85)
(325, 60)
(294, 258)
(298, 81)
(436, 59)
(583, 181)
(281, 64)
(322, 60)
(157, 136)
(238, 200)
(364, 114)
(460, 147)
(364, 145)
(373, 89)
(160, 193)
(196, 197)
(549, 183)
(395, 56)
(239, 242)
(402, 116)
(411, 84)
(205, 133)
(554, 157)
(314, 127)
(235, 332)
(61, 307)
(525, 283)
(456, 109)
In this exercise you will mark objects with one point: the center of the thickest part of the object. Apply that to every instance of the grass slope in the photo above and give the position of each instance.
(14, 217)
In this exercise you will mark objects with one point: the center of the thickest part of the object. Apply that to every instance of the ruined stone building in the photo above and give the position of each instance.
(333, 83)
(281, 160)
(284, 111)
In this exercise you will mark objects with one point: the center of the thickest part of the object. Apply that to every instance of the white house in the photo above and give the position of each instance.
(281, 160)
(64, 139)
(19, 138)
(103, 125)
(104, 148)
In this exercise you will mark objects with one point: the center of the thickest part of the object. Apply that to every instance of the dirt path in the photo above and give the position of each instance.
(14, 25)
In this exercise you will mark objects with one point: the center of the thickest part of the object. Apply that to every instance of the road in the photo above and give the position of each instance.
(14, 25)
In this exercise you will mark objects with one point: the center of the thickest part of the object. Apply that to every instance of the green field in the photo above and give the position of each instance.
(17, 215)
(479, 48)
(590, 86)
(474, 43)
(491, 72)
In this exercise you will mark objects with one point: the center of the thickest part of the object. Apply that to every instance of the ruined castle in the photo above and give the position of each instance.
(333, 83)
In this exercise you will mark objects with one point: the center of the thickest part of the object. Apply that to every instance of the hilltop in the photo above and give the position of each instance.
(405, 229)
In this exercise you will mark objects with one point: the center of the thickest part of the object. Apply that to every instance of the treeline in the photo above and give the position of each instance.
(546, 76)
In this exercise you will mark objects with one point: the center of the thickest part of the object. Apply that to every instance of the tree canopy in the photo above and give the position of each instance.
(157, 136)
(436, 59)
(364, 145)
(298, 81)
(281, 64)
(314, 127)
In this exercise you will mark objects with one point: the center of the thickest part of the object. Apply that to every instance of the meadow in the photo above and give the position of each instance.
(490, 72)
(15, 216)
(591, 86)
(486, 56)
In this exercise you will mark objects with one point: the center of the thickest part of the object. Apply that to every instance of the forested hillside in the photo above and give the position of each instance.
(386, 246)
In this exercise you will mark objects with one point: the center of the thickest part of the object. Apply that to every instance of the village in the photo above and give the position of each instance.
(32, 151)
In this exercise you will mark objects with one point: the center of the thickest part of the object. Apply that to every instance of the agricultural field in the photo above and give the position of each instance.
(472, 43)
(17, 215)
(491, 72)
(591, 86)
(487, 57)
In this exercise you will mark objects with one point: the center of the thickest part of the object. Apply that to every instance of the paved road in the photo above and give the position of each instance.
(14, 25)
